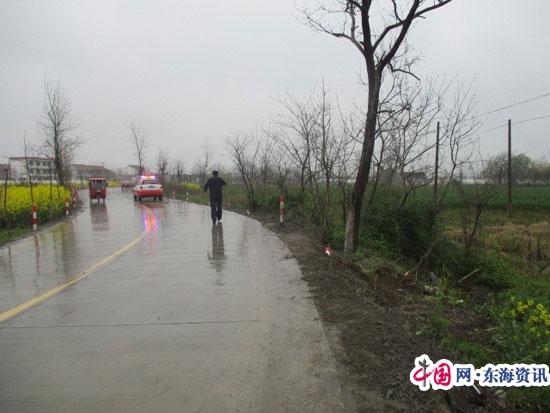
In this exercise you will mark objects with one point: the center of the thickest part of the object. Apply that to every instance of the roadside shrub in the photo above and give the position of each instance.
(337, 236)
(447, 259)
(494, 273)
(408, 230)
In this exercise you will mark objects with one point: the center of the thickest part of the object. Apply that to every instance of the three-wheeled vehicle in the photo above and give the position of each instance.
(97, 187)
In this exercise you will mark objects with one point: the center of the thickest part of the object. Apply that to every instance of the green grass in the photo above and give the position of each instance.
(524, 198)
(469, 352)
(7, 235)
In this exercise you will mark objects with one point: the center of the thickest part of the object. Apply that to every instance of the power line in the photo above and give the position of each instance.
(519, 122)
(532, 119)
(514, 104)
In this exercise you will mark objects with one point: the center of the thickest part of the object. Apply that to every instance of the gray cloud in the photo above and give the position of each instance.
(189, 71)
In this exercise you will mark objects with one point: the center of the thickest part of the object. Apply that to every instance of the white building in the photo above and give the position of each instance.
(40, 169)
(129, 172)
(5, 171)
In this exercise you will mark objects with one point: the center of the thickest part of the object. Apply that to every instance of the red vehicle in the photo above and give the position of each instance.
(126, 185)
(148, 186)
(97, 187)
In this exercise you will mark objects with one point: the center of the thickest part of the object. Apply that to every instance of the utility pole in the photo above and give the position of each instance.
(509, 206)
(436, 173)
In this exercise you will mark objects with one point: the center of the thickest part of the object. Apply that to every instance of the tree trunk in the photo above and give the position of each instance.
(356, 200)
(51, 195)
(327, 207)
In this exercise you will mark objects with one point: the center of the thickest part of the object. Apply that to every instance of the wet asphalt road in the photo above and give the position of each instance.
(191, 318)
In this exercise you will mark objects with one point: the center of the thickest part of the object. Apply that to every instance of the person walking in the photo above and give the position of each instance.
(214, 185)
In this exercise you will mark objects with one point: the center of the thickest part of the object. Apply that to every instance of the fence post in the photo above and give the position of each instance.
(66, 206)
(34, 219)
(282, 210)
(436, 172)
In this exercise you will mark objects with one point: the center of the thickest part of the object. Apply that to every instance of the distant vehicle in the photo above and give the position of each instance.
(126, 185)
(97, 187)
(148, 186)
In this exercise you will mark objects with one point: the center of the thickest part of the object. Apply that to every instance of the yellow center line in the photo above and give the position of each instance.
(6, 315)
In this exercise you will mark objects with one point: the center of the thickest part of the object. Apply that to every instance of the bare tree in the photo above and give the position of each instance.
(297, 134)
(265, 158)
(56, 126)
(203, 163)
(139, 142)
(26, 150)
(379, 47)
(179, 168)
(330, 146)
(347, 164)
(475, 199)
(406, 134)
(245, 150)
(281, 169)
(162, 163)
(459, 122)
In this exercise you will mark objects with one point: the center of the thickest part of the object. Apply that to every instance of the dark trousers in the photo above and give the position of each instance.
(216, 209)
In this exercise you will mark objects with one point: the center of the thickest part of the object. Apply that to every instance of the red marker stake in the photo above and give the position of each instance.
(34, 220)
(282, 210)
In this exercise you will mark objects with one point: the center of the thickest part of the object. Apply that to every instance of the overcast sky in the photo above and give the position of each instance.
(188, 71)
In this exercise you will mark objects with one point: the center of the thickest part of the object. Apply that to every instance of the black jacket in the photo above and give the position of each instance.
(214, 184)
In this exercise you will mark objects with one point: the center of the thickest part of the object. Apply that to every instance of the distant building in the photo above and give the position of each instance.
(81, 172)
(5, 171)
(393, 177)
(129, 172)
(416, 178)
(39, 168)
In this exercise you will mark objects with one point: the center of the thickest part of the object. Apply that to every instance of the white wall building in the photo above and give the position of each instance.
(39, 168)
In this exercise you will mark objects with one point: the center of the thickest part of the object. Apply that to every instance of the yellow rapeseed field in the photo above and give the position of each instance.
(17, 211)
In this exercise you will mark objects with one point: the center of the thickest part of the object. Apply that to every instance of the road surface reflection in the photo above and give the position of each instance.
(216, 255)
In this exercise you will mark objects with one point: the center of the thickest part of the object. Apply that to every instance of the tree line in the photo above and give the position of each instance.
(525, 170)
